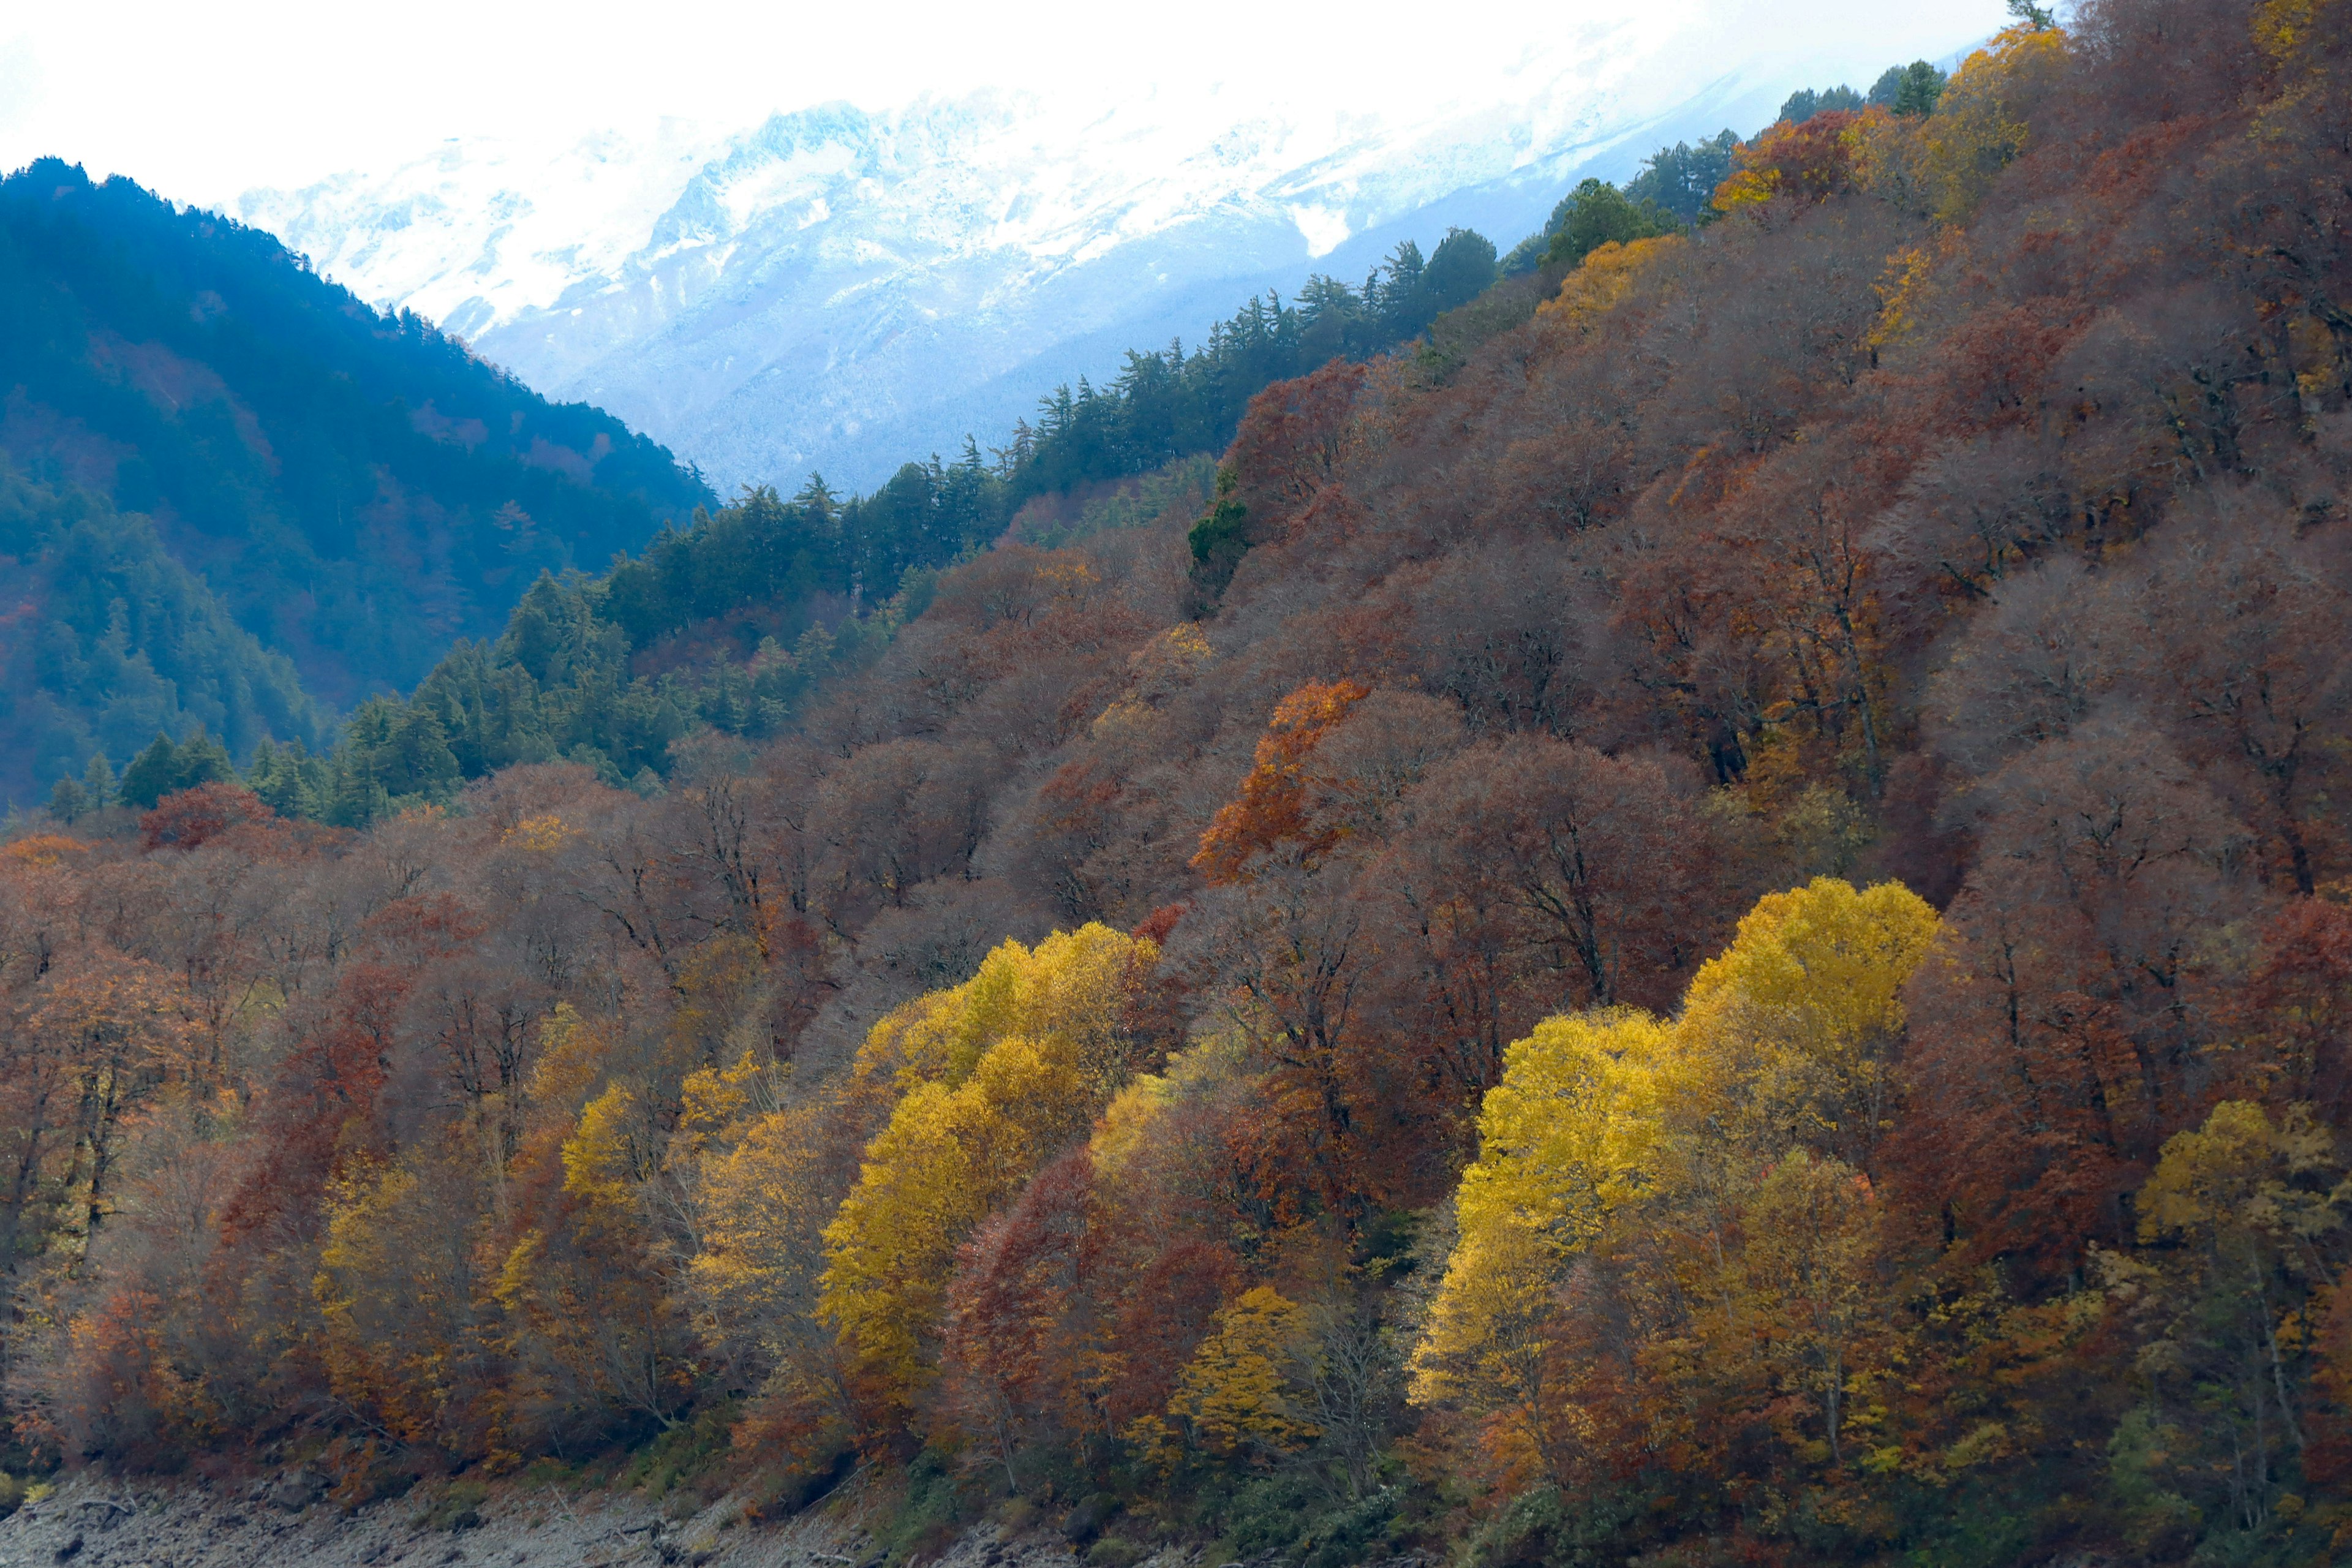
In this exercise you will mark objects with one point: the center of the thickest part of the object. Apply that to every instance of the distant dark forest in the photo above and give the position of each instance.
(355, 491)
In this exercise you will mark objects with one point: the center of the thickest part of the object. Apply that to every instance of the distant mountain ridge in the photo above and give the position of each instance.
(839, 290)
(281, 484)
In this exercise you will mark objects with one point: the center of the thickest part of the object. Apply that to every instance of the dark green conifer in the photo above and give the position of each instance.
(1922, 87)
(149, 776)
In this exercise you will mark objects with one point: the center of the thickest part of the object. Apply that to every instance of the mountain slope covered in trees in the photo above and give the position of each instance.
(113, 640)
(734, 621)
(354, 491)
(1712, 926)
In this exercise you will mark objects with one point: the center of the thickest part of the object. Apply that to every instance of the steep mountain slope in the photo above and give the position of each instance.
(1336, 1024)
(356, 490)
(838, 290)
(109, 639)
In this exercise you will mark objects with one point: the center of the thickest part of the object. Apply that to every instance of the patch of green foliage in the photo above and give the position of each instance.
(688, 1461)
(458, 1506)
(928, 1510)
(1117, 1552)
(1290, 1513)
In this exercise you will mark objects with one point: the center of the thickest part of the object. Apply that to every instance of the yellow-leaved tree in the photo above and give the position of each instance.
(1685, 1196)
(1786, 1037)
(1000, 1074)
(399, 1297)
(1979, 127)
(2252, 1204)
(760, 1209)
(1943, 165)
(583, 1285)
(1073, 988)
(1238, 1393)
(1793, 1306)
(1568, 1137)
(1605, 279)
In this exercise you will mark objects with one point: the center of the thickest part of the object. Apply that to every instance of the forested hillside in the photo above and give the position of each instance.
(354, 491)
(111, 640)
(732, 621)
(1709, 921)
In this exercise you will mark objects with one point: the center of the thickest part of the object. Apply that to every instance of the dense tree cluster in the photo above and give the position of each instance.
(1680, 179)
(1165, 405)
(1596, 213)
(1911, 89)
(1722, 934)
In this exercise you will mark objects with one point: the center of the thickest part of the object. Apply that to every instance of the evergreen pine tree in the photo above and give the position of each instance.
(1923, 86)
(148, 777)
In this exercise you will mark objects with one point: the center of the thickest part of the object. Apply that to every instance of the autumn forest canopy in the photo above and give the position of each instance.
(1695, 907)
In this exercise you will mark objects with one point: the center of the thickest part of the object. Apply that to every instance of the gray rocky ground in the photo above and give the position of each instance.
(91, 1521)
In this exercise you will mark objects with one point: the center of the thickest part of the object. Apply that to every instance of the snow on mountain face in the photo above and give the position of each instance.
(840, 289)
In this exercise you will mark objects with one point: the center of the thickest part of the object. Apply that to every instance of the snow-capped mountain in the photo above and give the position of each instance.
(840, 289)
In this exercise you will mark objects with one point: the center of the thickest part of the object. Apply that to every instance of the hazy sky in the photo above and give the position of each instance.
(201, 102)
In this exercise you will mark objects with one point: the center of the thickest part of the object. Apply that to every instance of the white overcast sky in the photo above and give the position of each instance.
(203, 101)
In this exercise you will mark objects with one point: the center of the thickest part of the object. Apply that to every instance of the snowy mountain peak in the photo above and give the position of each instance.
(841, 286)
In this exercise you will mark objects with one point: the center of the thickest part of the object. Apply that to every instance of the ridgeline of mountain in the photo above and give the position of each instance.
(347, 490)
